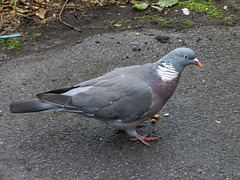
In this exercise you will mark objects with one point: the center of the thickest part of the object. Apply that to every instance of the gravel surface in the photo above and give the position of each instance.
(199, 140)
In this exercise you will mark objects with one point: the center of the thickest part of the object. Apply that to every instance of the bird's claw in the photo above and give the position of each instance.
(143, 139)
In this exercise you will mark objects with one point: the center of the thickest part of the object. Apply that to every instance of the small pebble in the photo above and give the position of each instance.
(199, 170)
(100, 139)
(185, 11)
(222, 171)
(153, 120)
(27, 7)
(157, 116)
(137, 34)
(166, 114)
(162, 39)
(136, 49)
(29, 169)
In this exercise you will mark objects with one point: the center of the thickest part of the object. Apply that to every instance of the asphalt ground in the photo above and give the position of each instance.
(199, 140)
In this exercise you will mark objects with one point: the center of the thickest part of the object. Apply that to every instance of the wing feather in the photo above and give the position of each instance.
(116, 98)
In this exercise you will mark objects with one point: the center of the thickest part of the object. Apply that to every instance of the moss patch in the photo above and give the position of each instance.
(202, 6)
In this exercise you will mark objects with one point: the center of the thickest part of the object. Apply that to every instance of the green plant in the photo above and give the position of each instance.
(118, 24)
(16, 43)
(36, 35)
(114, 23)
(190, 22)
(12, 44)
(229, 19)
(2, 42)
(141, 6)
(158, 5)
(166, 3)
(202, 6)
(142, 18)
(154, 17)
(111, 24)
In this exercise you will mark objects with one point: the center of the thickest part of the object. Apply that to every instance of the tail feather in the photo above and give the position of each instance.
(32, 105)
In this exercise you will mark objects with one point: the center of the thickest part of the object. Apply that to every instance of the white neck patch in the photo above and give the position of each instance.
(167, 72)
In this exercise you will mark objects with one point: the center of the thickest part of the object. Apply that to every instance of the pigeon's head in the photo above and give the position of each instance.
(181, 57)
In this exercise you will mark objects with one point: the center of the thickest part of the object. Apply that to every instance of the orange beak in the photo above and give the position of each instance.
(197, 62)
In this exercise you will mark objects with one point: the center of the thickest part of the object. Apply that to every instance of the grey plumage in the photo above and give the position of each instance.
(122, 98)
(31, 105)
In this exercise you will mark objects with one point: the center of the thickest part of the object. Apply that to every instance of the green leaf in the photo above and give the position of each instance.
(166, 3)
(157, 7)
(36, 35)
(141, 6)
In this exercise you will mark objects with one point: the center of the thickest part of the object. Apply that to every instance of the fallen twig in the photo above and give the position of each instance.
(60, 18)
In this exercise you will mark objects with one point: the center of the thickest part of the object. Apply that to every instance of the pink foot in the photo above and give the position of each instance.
(143, 139)
(140, 125)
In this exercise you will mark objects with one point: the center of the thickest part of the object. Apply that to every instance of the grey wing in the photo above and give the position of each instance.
(117, 98)
(112, 74)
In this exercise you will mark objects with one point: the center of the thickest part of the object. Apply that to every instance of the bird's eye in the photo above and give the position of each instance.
(185, 56)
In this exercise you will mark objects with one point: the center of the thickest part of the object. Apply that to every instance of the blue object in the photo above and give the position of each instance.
(9, 36)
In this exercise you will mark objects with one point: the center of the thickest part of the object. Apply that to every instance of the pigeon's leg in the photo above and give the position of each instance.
(140, 125)
(137, 137)
(143, 139)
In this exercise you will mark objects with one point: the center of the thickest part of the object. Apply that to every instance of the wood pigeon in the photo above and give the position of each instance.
(122, 98)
